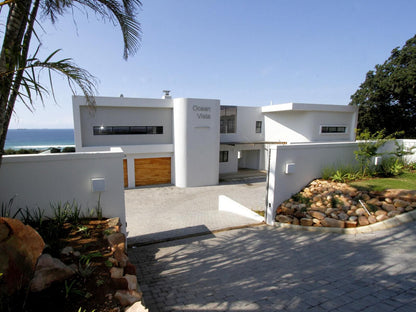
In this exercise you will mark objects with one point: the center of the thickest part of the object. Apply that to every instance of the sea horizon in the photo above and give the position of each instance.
(39, 138)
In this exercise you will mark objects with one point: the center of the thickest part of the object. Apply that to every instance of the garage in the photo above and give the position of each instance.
(149, 171)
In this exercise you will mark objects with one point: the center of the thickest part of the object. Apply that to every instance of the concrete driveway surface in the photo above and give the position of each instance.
(164, 212)
(265, 268)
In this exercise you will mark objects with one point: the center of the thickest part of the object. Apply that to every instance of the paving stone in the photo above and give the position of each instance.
(267, 268)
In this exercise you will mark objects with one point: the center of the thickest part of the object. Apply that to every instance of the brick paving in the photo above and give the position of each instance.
(273, 269)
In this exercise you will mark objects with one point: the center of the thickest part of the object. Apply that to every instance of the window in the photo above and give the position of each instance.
(228, 117)
(223, 156)
(333, 129)
(120, 130)
(258, 126)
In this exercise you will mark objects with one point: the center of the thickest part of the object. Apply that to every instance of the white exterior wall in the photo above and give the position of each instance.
(309, 159)
(39, 180)
(196, 141)
(297, 122)
(246, 126)
(252, 161)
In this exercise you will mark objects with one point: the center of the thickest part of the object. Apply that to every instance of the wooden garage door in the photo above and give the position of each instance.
(126, 179)
(152, 171)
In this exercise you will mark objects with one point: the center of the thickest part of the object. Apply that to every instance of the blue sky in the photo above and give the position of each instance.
(241, 52)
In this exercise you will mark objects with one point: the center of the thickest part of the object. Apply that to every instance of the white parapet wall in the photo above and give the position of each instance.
(294, 166)
(41, 180)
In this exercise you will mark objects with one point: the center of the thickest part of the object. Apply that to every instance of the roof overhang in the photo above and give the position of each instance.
(304, 107)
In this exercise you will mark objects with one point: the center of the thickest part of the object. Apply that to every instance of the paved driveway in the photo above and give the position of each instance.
(272, 269)
(158, 213)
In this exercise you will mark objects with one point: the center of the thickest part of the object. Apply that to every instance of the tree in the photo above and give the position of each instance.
(19, 72)
(387, 97)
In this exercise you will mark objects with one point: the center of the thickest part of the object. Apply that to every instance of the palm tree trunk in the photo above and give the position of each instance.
(10, 57)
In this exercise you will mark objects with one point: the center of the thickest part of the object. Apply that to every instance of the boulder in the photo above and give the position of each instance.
(130, 269)
(360, 212)
(49, 270)
(116, 272)
(343, 216)
(117, 240)
(380, 212)
(20, 248)
(382, 217)
(350, 224)
(392, 214)
(132, 281)
(372, 219)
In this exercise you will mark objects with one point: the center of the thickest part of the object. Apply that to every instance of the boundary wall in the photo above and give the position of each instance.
(294, 166)
(39, 180)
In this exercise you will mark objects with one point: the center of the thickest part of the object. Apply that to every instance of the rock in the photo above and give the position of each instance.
(374, 201)
(381, 217)
(77, 254)
(388, 200)
(67, 251)
(306, 222)
(360, 212)
(365, 197)
(113, 222)
(49, 270)
(295, 221)
(413, 204)
(330, 222)
(116, 272)
(362, 220)
(117, 240)
(380, 212)
(20, 248)
(343, 216)
(387, 207)
(136, 307)
(317, 214)
(287, 211)
(353, 218)
(350, 224)
(284, 219)
(127, 297)
(409, 208)
(132, 281)
(130, 269)
(334, 215)
(393, 213)
(372, 219)
(121, 258)
(400, 203)
(113, 261)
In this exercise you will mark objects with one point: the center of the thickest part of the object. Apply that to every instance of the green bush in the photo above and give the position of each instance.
(391, 166)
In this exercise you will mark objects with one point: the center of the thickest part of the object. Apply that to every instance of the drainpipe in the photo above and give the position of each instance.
(267, 184)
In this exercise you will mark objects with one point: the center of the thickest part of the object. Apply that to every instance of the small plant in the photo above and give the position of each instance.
(85, 269)
(99, 282)
(107, 232)
(108, 264)
(71, 289)
(392, 166)
(33, 218)
(6, 209)
(301, 199)
(84, 310)
(84, 230)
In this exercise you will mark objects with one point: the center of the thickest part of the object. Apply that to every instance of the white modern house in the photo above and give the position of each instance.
(189, 142)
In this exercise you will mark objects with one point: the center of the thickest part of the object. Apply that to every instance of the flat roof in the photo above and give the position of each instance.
(308, 107)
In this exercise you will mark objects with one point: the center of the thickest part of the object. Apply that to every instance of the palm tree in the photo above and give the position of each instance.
(19, 71)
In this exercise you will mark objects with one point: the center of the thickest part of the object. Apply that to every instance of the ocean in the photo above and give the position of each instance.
(39, 138)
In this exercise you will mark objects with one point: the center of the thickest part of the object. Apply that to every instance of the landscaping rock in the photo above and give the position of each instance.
(392, 214)
(343, 216)
(49, 270)
(116, 272)
(350, 224)
(388, 207)
(284, 219)
(317, 214)
(380, 212)
(381, 217)
(20, 248)
(130, 269)
(132, 281)
(117, 240)
(306, 222)
(128, 297)
(353, 218)
(362, 220)
(67, 251)
(330, 222)
(121, 258)
(372, 219)
(400, 203)
(295, 221)
(120, 283)
(360, 212)
(136, 307)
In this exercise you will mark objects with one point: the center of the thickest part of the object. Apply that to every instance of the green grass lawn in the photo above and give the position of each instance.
(405, 181)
